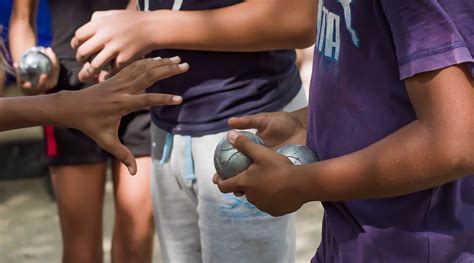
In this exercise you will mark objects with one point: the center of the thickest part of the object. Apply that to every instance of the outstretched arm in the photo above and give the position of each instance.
(97, 110)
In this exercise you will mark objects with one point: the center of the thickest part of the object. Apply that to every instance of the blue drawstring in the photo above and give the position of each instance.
(189, 173)
(167, 147)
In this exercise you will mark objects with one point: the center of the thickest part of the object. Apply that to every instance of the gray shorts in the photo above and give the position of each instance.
(196, 222)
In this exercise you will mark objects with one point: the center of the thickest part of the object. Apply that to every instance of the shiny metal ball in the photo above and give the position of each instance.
(298, 154)
(228, 161)
(33, 63)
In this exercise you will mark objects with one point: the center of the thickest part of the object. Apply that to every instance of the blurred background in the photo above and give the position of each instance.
(29, 225)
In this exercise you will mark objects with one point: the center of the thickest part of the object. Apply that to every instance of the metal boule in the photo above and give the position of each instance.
(298, 154)
(33, 63)
(228, 161)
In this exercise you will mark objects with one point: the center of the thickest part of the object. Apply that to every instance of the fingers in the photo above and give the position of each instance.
(148, 77)
(42, 84)
(103, 76)
(230, 185)
(143, 101)
(27, 85)
(91, 69)
(52, 56)
(258, 121)
(82, 34)
(120, 152)
(258, 153)
(134, 70)
(88, 48)
(87, 73)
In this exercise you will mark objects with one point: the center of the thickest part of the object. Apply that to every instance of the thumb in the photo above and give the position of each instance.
(257, 121)
(256, 152)
(122, 153)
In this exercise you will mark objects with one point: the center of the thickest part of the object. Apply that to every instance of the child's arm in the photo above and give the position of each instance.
(435, 149)
(253, 25)
(22, 29)
(22, 36)
(96, 110)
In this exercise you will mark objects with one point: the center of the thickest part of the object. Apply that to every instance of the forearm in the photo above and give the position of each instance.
(254, 25)
(22, 30)
(410, 160)
(21, 112)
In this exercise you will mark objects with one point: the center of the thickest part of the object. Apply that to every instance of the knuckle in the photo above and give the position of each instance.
(222, 188)
(95, 14)
(241, 143)
(148, 99)
(80, 54)
(132, 66)
(142, 66)
(120, 105)
(120, 61)
(149, 75)
(164, 61)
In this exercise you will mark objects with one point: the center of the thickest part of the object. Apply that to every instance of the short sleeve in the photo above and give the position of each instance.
(431, 34)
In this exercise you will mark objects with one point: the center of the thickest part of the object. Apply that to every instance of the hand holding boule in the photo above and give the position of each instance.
(38, 70)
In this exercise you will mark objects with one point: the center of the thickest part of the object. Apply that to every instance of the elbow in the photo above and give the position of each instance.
(296, 29)
(459, 155)
(303, 32)
(304, 38)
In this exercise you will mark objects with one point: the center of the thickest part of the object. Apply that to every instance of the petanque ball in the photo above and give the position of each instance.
(228, 161)
(33, 63)
(298, 154)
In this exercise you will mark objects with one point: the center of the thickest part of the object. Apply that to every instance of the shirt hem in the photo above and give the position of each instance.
(221, 126)
(439, 60)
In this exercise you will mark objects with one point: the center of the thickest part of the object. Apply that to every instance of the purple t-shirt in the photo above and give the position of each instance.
(220, 85)
(364, 51)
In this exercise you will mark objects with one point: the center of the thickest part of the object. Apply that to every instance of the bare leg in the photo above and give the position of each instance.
(133, 229)
(80, 193)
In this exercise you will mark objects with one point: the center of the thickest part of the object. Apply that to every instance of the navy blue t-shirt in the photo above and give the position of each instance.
(220, 85)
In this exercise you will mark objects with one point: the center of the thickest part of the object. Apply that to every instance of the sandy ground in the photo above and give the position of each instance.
(29, 228)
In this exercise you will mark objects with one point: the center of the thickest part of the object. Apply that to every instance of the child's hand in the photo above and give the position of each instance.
(116, 35)
(276, 129)
(97, 110)
(45, 82)
(268, 183)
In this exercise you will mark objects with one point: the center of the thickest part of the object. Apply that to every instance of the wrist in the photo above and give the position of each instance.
(156, 28)
(301, 116)
(298, 185)
(58, 102)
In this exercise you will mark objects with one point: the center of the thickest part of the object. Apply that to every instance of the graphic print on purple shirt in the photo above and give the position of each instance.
(364, 51)
(220, 85)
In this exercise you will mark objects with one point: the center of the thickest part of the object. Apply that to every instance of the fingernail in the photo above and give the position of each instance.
(183, 66)
(232, 135)
(176, 59)
(157, 58)
(177, 99)
(131, 170)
